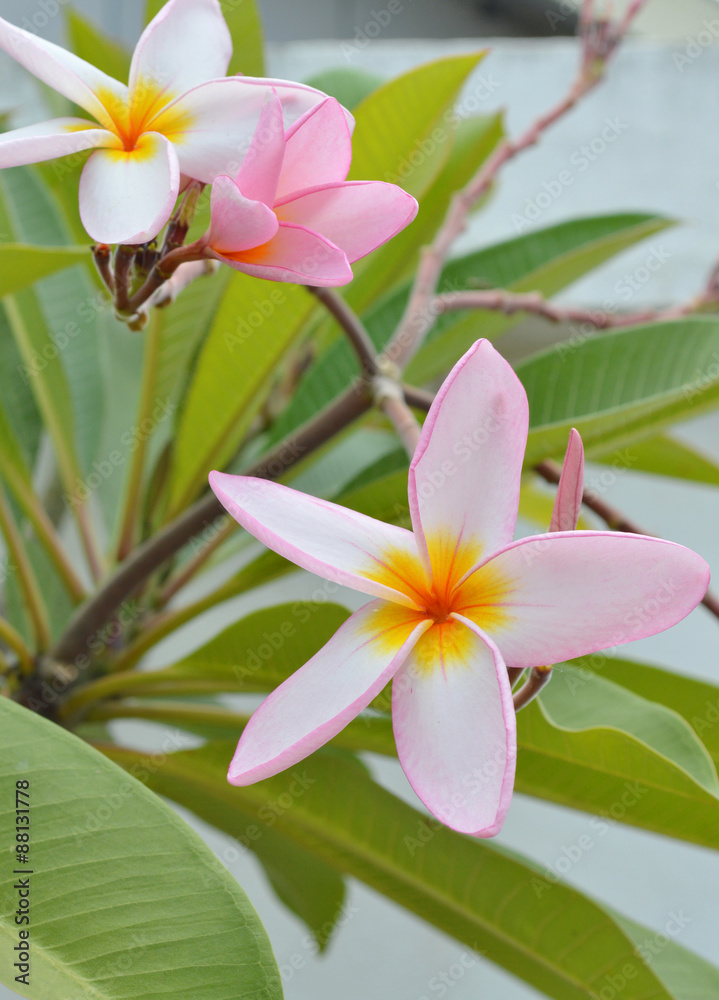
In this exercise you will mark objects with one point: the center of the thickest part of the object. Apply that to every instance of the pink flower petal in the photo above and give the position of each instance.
(318, 151)
(464, 477)
(185, 44)
(261, 167)
(236, 222)
(214, 124)
(568, 501)
(66, 73)
(455, 727)
(318, 701)
(127, 197)
(575, 592)
(322, 537)
(295, 254)
(46, 140)
(357, 216)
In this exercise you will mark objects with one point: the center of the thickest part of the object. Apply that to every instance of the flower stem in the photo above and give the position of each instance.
(538, 677)
(352, 327)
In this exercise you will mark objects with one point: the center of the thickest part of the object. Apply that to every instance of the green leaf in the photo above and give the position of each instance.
(610, 773)
(21, 265)
(560, 942)
(621, 386)
(695, 700)
(545, 261)
(243, 20)
(666, 456)
(404, 128)
(126, 900)
(685, 975)
(537, 261)
(346, 84)
(97, 48)
(254, 654)
(61, 315)
(254, 329)
(595, 703)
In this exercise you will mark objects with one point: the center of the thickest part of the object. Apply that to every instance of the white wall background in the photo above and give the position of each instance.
(666, 159)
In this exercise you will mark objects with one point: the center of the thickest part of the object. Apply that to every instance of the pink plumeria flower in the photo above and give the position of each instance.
(455, 601)
(290, 215)
(177, 118)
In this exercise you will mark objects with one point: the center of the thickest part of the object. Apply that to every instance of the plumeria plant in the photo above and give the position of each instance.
(191, 410)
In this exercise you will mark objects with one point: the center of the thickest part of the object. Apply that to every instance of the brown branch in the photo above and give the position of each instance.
(597, 46)
(353, 328)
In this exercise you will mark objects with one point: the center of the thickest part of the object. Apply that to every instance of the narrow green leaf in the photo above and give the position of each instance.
(598, 704)
(254, 328)
(126, 900)
(243, 20)
(666, 456)
(621, 386)
(685, 975)
(254, 654)
(609, 773)
(21, 265)
(696, 701)
(560, 942)
(94, 46)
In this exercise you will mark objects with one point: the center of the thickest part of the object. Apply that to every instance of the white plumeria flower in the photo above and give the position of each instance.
(455, 600)
(179, 117)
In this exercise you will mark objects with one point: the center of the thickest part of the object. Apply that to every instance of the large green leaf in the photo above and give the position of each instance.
(611, 773)
(560, 942)
(126, 900)
(545, 261)
(621, 386)
(254, 328)
(666, 456)
(346, 84)
(243, 20)
(597, 703)
(695, 700)
(21, 265)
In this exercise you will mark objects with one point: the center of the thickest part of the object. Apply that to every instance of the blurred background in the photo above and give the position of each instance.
(420, 18)
(663, 100)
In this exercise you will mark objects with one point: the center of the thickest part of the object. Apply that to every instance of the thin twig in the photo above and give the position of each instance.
(352, 327)
(103, 262)
(124, 256)
(500, 300)
(418, 316)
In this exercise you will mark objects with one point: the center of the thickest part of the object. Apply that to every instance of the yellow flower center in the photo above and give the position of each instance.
(147, 111)
(482, 598)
